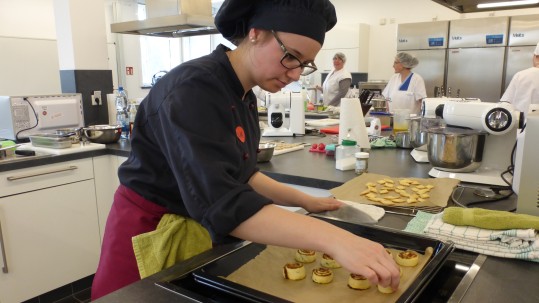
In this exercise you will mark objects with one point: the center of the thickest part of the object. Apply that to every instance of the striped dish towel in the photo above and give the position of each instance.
(511, 243)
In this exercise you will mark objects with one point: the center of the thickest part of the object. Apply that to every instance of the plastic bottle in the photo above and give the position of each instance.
(345, 155)
(132, 115)
(121, 112)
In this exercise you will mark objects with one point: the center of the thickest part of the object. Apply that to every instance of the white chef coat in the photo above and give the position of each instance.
(399, 99)
(523, 89)
(330, 87)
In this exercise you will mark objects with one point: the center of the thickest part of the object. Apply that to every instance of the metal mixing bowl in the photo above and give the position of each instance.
(265, 152)
(402, 139)
(419, 131)
(103, 134)
(455, 149)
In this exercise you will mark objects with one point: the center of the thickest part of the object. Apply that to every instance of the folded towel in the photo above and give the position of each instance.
(176, 238)
(489, 219)
(510, 243)
(383, 142)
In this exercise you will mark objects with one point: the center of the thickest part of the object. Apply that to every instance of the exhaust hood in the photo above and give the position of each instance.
(471, 6)
(171, 19)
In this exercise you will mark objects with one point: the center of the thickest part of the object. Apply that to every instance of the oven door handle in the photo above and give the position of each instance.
(30, 175)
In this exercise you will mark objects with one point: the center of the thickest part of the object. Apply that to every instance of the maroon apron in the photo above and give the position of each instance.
(130, 215)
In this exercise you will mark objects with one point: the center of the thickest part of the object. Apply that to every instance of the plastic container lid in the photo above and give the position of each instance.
(349, 142)
(361, 155)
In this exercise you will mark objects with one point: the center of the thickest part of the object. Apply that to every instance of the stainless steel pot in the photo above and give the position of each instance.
(455, 149)
(379, 104)
(419, 131)
(402, 139)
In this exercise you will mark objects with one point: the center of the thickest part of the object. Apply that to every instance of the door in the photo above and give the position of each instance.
(50, 239)
(518, 58)
(476, 72)
(431, 67)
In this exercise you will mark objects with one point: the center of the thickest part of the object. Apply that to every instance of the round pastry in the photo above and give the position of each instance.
(322, 275)
(329, 262)
(358, 282)
(294, 271)
(385, 290)
(305, 256)
(407, 258)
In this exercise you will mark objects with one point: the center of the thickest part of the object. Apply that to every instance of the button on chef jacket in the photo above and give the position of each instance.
(194, 146)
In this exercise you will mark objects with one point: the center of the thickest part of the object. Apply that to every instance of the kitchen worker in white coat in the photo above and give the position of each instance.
(523, 89)
(405, 89)
(337, 83)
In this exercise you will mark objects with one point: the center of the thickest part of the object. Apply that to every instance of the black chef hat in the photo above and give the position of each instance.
(310, 18)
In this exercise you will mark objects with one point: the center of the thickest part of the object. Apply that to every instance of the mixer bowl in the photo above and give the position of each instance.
(103, 134)
(455, 149)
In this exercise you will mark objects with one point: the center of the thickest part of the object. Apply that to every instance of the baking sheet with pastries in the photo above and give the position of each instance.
(264, 273)
(438, 195)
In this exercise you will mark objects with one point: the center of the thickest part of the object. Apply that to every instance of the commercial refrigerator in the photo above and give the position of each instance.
(523, 38)
(476, 55)
(427, 41)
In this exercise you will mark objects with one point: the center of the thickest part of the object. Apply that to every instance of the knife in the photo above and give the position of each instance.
(348, 214)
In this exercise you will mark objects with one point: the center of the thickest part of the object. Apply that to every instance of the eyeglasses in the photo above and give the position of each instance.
(290, 61)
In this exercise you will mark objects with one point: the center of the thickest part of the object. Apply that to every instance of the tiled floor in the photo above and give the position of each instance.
(76, 292)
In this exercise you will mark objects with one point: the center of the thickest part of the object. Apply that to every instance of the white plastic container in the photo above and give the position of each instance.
(344, 155)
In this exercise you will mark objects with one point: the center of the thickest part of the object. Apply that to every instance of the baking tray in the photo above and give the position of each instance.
(207, 281)
(51, 141)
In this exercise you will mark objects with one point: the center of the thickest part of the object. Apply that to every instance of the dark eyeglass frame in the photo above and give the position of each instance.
(306, 69)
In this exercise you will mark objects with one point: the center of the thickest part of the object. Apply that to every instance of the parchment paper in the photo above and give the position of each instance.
(264, 273)
(439, 195)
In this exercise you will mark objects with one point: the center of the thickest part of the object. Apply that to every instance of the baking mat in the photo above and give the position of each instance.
(264, 273)
(438, 195)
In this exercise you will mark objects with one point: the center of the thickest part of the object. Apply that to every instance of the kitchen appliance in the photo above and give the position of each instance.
(171, 19)
(526, 171)
(427, 41)
(277, 114)
(22, 116)
(500, 121)
(476, 55)
(523, 37)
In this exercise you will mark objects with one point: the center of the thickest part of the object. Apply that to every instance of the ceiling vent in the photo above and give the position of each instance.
(171, 19)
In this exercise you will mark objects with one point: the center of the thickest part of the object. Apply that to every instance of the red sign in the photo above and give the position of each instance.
(129, 70)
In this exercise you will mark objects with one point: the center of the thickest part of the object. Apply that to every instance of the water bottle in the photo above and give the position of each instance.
(121, 112)
(132, 114)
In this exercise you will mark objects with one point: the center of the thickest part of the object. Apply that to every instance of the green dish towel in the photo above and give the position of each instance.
(489, 219)
(383, 143)
(175, 239)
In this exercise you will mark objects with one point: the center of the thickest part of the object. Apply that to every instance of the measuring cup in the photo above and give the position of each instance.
(401, 120)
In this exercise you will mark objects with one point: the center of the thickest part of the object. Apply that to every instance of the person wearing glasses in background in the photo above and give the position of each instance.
(405, 89)
(194, 149)
(337, 83)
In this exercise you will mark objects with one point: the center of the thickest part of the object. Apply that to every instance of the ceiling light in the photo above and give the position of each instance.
(507, 3)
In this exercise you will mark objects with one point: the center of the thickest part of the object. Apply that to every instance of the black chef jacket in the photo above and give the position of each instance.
(194, 145)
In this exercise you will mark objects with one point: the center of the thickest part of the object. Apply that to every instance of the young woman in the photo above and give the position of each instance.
(195, 141)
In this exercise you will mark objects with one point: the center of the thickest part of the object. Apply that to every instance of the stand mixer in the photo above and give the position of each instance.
(495, 122)
(276, 118)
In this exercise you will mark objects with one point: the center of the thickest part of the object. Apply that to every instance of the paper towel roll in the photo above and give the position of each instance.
(352, 123)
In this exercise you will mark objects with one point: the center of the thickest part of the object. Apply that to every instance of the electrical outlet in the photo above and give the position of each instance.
(96, 98)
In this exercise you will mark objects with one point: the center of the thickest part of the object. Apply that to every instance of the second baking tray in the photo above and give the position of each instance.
(208, 282)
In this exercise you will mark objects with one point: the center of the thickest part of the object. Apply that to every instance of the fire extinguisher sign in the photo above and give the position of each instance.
(129, 70)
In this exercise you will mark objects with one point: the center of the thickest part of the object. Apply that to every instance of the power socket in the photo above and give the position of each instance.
(96, 98)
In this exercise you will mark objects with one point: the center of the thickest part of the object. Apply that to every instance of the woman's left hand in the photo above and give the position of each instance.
(319, 204)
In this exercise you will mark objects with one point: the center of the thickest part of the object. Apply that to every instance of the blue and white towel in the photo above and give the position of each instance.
(511, 243)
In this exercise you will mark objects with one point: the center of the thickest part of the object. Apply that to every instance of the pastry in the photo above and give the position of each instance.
(385, 290)
(294, 271)
(329, 262)
(305, 256)
(322, 275)
(407, 258)
(358, 282)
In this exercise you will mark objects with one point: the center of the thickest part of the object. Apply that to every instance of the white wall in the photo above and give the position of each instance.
(34, 20)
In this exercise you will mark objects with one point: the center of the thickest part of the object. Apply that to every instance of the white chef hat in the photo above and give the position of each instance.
(536, 52)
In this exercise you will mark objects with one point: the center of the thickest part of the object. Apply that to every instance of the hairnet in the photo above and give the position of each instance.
(407, 60)
(310, 18)
(340, 56)
(536, 51)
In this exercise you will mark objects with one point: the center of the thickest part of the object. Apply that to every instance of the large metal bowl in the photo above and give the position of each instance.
(103, 134)
(265, 152)
(455, 149)
(419, 131)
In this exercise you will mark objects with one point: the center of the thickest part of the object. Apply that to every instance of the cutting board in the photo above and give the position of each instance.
(75, 148)
(322, 122)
